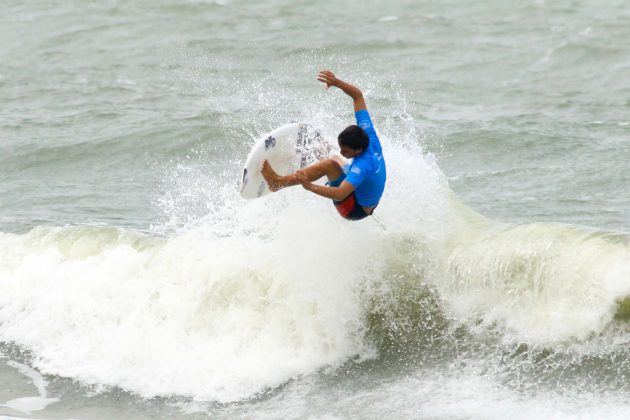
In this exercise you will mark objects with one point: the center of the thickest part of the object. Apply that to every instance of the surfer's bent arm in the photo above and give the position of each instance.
(336, 193)
(328, 77)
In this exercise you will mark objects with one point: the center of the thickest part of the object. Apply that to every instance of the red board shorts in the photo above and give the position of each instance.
(348, 208)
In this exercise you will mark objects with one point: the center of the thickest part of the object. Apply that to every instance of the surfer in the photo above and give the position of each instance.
(355, 187)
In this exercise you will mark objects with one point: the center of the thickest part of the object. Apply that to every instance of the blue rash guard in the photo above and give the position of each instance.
(367, 172)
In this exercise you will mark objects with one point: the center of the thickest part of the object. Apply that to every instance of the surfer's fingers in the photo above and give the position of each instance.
(325, 78)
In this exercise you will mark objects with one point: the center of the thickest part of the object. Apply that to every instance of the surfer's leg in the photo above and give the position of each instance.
(329, 168)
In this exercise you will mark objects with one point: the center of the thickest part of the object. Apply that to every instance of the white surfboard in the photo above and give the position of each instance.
(287, 149)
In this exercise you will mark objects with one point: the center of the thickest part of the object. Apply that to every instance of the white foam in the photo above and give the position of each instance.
(388, 19)
(209, 317)
(470, 394)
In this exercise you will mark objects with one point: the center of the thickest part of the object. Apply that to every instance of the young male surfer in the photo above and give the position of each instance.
(355, 187)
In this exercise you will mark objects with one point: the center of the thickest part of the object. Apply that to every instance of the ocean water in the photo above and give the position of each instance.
(493, 282)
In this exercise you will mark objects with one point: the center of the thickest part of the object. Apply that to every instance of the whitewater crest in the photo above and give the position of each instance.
(545, 283)
(200, 316)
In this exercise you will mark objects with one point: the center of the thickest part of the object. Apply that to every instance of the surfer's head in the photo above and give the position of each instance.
(353, 141)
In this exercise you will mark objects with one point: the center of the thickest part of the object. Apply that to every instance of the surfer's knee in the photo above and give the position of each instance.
(332, 168)
(331, 163)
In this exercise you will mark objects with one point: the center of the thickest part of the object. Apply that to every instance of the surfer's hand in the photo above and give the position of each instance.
(328, 77)
(301, 177)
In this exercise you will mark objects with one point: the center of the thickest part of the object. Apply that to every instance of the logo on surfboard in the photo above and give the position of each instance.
(270, 142)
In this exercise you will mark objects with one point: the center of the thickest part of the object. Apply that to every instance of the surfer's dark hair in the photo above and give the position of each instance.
(354, 137)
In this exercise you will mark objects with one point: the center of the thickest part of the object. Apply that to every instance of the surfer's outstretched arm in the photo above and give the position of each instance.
(328, 77)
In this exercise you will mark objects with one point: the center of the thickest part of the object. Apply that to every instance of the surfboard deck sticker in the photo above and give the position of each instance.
(287, 148)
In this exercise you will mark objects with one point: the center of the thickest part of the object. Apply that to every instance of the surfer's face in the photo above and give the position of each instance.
(349, 152)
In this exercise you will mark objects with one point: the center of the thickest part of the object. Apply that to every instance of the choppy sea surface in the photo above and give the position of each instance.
(492, 283)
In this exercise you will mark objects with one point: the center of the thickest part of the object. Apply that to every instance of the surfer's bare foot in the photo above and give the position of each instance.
(273, 179)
